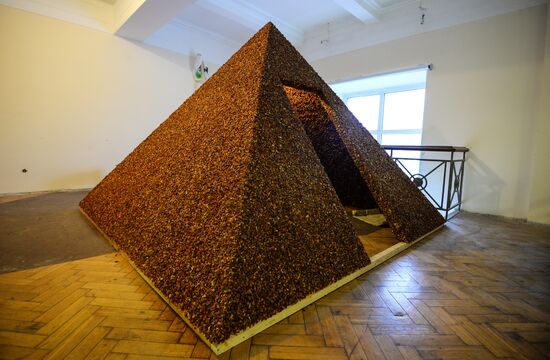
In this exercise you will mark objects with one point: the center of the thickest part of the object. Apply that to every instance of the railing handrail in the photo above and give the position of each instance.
(426, 148)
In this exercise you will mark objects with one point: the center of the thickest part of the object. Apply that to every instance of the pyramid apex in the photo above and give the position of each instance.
(269, 26)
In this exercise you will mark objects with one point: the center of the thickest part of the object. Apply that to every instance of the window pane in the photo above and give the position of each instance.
(366, 110)
(401, 139)
(404, 110)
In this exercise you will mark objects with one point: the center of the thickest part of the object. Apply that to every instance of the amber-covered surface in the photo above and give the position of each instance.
(226, 207)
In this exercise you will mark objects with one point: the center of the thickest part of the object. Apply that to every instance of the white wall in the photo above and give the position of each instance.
(75, 101)
(482, 94)
(539, 209)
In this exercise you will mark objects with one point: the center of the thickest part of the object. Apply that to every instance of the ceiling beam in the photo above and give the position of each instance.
(138, 19)
(248, 15)
(367, 11)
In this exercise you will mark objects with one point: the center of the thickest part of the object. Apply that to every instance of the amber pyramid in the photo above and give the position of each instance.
(233, 207)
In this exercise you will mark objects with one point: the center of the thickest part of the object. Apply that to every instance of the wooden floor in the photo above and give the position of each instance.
(479, 289)
(378, 241)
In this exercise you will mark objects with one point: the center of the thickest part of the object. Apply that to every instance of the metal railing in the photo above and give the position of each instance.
(439, 176)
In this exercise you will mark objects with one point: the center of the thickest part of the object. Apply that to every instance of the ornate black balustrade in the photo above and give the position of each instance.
(438, 171)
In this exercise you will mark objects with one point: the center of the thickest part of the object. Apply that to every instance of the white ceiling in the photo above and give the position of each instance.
(217, 28)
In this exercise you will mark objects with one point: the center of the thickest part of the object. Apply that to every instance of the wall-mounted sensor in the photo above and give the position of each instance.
(199, 69)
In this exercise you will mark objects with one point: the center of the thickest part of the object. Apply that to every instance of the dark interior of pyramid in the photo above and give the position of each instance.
(257, 192)
(316, 118)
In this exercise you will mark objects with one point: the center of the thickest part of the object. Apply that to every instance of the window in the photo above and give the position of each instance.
(390, 107)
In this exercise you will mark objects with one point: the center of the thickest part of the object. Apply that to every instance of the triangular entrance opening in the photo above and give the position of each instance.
(317, 117)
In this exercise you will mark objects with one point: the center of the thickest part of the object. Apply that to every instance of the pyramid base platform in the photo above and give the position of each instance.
(376, 259)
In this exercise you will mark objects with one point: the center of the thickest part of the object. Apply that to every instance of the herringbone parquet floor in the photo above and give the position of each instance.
(478, 289)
